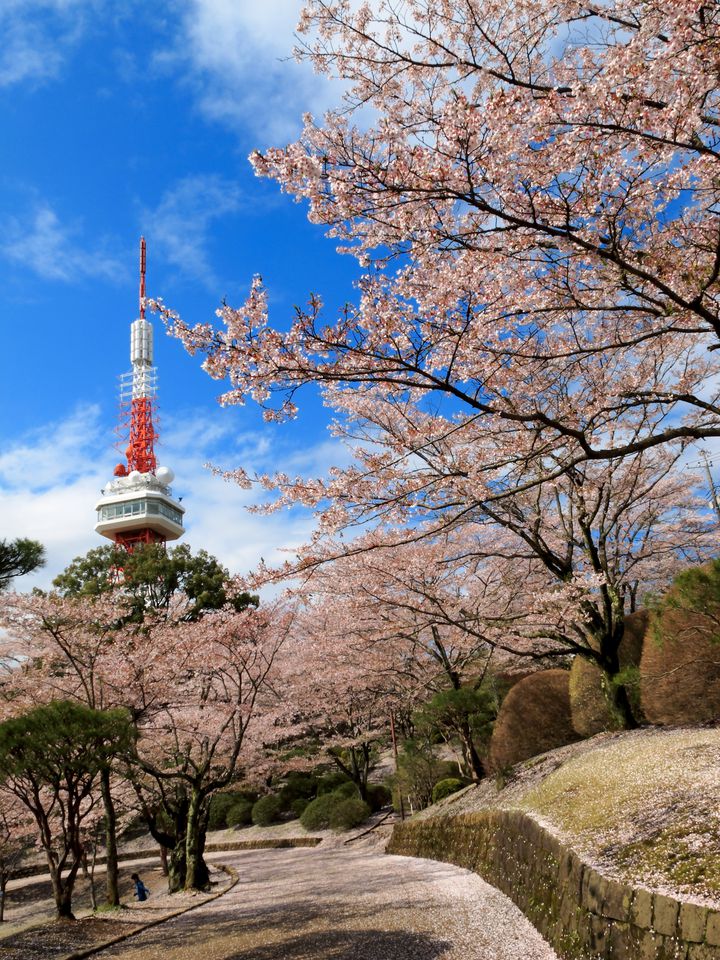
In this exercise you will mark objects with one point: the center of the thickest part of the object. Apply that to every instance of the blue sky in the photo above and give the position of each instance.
(122, 119)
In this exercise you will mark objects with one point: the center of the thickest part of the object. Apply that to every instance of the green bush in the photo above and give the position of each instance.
(419, 769)
(220, 804)
(378, 796)
(331, 781)
(316, 815)
(443, 788)
(298, 786)
(348, 813)
(347, 790)
(266, 810)
(298, 806)
(240, 813)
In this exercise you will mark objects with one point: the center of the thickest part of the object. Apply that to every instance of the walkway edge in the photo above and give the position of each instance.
(97, 948)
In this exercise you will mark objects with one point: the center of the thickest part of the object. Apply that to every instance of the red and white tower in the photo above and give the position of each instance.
(137, 506)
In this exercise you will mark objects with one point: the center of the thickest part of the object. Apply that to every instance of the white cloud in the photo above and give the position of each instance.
(240, 56)
(41, 243)
(51, 479)
(179, 226)
(37, 35)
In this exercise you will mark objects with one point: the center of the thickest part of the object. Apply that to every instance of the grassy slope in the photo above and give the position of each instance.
(643, 806)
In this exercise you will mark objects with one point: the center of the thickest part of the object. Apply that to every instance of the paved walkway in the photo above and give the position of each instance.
(342, 904)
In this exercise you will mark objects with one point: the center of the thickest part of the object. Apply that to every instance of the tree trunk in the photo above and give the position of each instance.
(62, 893)
(197, 876)
(177, 867)
(472, 757)
(3, 889)
(622, 704)
(163, 860)
(90, 877)
(112, 891)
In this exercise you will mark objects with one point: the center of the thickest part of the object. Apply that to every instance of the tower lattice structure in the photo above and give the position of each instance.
(137, 506)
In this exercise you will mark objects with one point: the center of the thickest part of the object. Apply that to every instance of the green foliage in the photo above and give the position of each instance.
(151, 577)
(299, 806)
(220, 804)
(240, 813)
(378, 796)
(335, 810)
(347, 790)
(419, 769)
(18, 557)
(348, 812)
(331, 781)
(696, 590)
(444, 788)
(61, 742)
(590, 705)
(298, 786)
(450, 711)
(316, 815)
(266, 810)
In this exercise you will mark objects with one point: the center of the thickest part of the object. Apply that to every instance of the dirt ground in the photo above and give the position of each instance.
(337, 903)
(31, 933)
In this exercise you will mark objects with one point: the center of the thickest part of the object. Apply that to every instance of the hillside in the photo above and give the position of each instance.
(642, 806)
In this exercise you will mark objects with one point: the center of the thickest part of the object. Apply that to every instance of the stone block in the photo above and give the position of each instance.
(598, 933)
(648, 945)
(620, 945)
(616, 902)
(712, 929)
(703, 951)
(594, 891)
(641, 909)
(692, 920)
(665, 915)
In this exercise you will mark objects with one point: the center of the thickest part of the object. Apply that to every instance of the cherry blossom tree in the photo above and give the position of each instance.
(533, 187)
(204, 700)
(540, 576)
(194, 690)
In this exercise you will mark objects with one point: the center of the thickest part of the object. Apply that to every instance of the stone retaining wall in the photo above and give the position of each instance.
(582, 914)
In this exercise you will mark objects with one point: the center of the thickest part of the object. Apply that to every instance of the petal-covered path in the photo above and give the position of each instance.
(341, 904)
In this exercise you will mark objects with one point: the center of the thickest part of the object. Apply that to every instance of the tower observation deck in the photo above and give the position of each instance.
(137, 506)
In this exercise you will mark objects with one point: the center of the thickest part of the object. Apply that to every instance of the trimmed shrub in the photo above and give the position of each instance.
(316, 815)
(378, 796)
(347, 790)
(444, 788)
(680, 666)
(631, 645)
(298, 806)
(348, 813)
(298, 786)
(534, 717)
(331, 781)
(220, 804)
(589, 705)
(266, 810)
(240, 813)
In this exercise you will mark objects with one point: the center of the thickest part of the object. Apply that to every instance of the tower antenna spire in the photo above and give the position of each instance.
(142, 278)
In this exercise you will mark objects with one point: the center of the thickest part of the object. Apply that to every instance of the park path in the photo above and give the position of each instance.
(341, 904)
